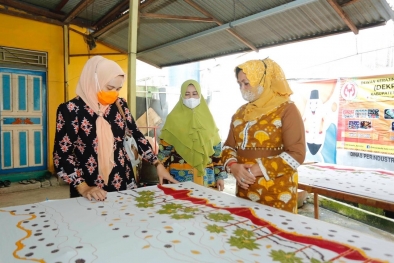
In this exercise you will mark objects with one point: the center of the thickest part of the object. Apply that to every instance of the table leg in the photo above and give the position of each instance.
(316, 204)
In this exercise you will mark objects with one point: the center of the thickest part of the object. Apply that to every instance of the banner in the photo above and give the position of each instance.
(317, 102)
(366, 122)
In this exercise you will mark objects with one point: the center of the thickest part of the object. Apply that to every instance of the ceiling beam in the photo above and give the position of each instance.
(39, 17)
(76, 31)
(120, 50)
(350, 2)
(337, 8)
(31, 9)
(110, 25)
(243, 40)
(248, 19)
(95, 54)
(78, 21)
(112, 14)
(171, 17)
(230, 30)
(61, 5)
(118, 20)
(145, 4)
(77, 9)
(31, 17)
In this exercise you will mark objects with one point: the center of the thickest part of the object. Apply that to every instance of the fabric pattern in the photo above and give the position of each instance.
(184, 172)
(277, 140)
(75, 149)
(366, 183)
(177, 223)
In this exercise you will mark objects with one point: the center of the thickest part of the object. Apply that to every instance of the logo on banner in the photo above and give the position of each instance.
(349, 90)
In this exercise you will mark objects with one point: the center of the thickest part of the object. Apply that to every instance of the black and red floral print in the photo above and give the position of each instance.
(75, 150)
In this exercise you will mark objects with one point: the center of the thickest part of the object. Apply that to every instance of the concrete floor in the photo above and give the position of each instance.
(35, 193)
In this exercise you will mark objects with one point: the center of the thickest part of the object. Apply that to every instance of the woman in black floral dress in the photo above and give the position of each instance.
(88, 152)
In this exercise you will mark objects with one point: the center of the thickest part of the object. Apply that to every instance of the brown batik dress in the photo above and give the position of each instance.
(277, 141)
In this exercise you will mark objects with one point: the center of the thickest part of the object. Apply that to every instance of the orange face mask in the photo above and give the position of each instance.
(107, 97)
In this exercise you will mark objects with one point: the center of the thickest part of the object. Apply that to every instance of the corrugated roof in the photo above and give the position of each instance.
(255, 24)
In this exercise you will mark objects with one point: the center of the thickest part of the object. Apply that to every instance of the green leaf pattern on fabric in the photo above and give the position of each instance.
(243, 233)
(220, 217)
(242, 242)
(241, 238)
(285, 257)
(182, 216)
(215, 229)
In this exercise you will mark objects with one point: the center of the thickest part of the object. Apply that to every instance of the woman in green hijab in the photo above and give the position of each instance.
(190, 145)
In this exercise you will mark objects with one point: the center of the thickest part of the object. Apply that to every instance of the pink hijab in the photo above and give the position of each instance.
(87, 89)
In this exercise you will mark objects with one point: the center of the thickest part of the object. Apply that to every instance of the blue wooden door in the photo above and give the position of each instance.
(23, 125)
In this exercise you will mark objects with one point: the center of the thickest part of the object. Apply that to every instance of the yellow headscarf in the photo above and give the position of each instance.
(268, 74)
(192, 132)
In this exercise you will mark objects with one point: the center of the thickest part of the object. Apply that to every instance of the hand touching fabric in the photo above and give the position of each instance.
(164, 175)
(92, 192)
(220, 184)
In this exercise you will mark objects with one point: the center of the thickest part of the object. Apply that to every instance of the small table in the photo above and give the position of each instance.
(359, 185)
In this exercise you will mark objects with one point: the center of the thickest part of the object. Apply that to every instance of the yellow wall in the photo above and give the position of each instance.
(28, 34)
(32, 35)
(78, 46)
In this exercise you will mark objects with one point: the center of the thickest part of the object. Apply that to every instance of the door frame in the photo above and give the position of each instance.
(15, 174)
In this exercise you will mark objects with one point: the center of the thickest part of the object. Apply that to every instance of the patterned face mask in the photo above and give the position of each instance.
(252, 94)
(192, 102)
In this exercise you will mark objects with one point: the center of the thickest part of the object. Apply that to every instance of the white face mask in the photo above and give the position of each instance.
(192, 102)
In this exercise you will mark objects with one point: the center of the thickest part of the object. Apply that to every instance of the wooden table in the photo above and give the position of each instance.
(176, 223)
(359, 185)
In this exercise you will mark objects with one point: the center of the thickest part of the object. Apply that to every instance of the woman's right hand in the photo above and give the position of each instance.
(165, 175)
(241, 173)
(92, 192)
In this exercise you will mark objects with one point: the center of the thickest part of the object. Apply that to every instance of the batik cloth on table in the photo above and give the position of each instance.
(176, 223)
(375, 183)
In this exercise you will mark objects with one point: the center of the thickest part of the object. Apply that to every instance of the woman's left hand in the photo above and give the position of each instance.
(255, 170)
(164, 175)
(220, 184)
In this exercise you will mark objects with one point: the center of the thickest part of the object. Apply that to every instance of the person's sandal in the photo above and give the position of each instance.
(24, 182)
(7, 183)
(32, 181)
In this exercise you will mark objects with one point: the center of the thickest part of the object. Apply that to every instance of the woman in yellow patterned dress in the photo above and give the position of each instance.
(266, 141)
